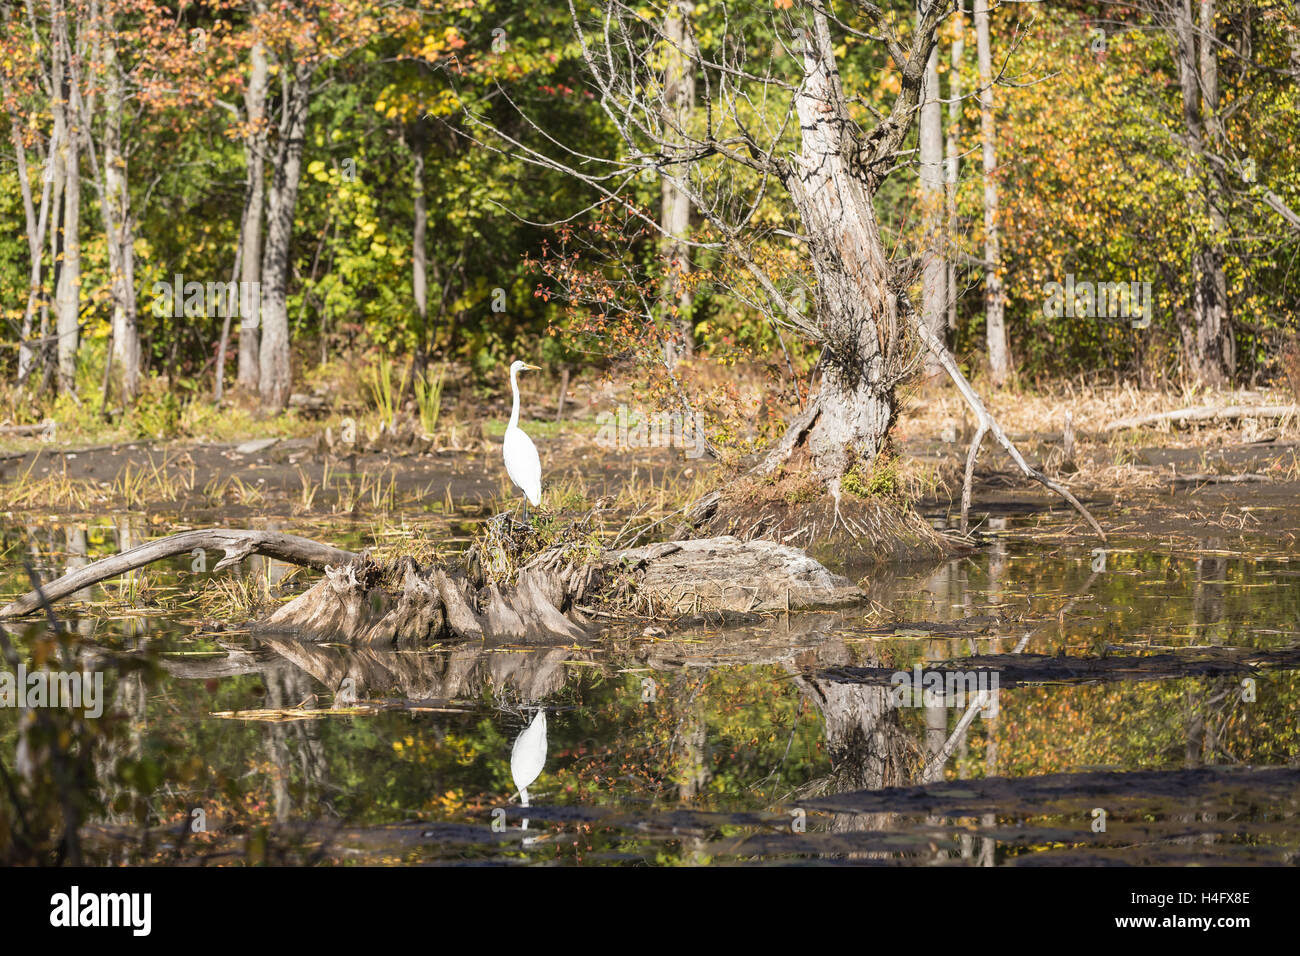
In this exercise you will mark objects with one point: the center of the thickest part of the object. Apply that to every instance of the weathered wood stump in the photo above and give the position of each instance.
(727, 574)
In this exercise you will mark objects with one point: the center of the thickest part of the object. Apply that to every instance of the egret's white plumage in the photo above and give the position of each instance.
(522, 463)
(528, 755)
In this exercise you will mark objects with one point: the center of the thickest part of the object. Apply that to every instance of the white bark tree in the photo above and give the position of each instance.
(994, 299)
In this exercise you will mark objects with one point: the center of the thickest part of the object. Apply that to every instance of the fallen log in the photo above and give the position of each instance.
(362, 602)
(45, 428)
(235, 545)
(1208, 478)
(726, 574)
(1205, 413)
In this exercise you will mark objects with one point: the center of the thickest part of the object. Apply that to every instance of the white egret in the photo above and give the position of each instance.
(528, 755)
(522, 464)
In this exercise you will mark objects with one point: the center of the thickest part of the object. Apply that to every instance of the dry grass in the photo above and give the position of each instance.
(1104, 460)
(1093, 408)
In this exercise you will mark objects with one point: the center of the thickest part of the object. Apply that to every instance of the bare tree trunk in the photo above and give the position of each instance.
(1206, 330)
(679, 100)
(250, 269)
(995, 321)
(850, 417)
(934, 277)
(115, 199)
(35, 231)
(419, 254)
(952, 150)
(68, 293)
(274, 356)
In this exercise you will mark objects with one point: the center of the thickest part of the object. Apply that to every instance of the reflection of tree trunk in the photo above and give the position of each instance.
(130, 700)
(287, 686)
(997, 561)
(1207, 596)
(865, 739)
(694, 772)
(78, 556)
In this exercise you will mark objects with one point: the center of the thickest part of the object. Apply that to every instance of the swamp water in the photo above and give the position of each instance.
(1145, 711)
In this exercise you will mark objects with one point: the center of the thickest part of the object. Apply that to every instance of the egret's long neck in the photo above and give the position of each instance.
(514, 387)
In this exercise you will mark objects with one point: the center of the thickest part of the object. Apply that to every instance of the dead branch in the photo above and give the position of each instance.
(986, 423)
(1206, 413)
(235, 544)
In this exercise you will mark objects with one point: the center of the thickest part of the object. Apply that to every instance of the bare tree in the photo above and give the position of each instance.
(69, 133)
(775, 116)
(273, 358)
(113, 184)
(255, 138)
(934, 273)
(1206, 326)
(952, 153)
(679, 97)
(994, 305)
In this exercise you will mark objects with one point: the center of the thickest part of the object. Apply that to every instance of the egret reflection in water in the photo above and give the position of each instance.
(528, 756)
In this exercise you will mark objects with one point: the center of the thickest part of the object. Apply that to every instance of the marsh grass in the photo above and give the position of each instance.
(504, 545)
(152, 482)
(233, 490)
(428, 399)
(56, 489)
(241, 595)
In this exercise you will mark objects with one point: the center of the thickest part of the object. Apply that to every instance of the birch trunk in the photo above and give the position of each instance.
(115, 199)
(35, 224)
(275, 376)
(952, 150)
(68, 292)
(250, 269)
(934, 275)
(675, 215)
(995, 321)
(419, 255)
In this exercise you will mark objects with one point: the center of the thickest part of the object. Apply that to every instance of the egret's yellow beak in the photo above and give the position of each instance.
(532, 368)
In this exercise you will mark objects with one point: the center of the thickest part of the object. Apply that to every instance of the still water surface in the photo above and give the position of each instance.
(1149, 716)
